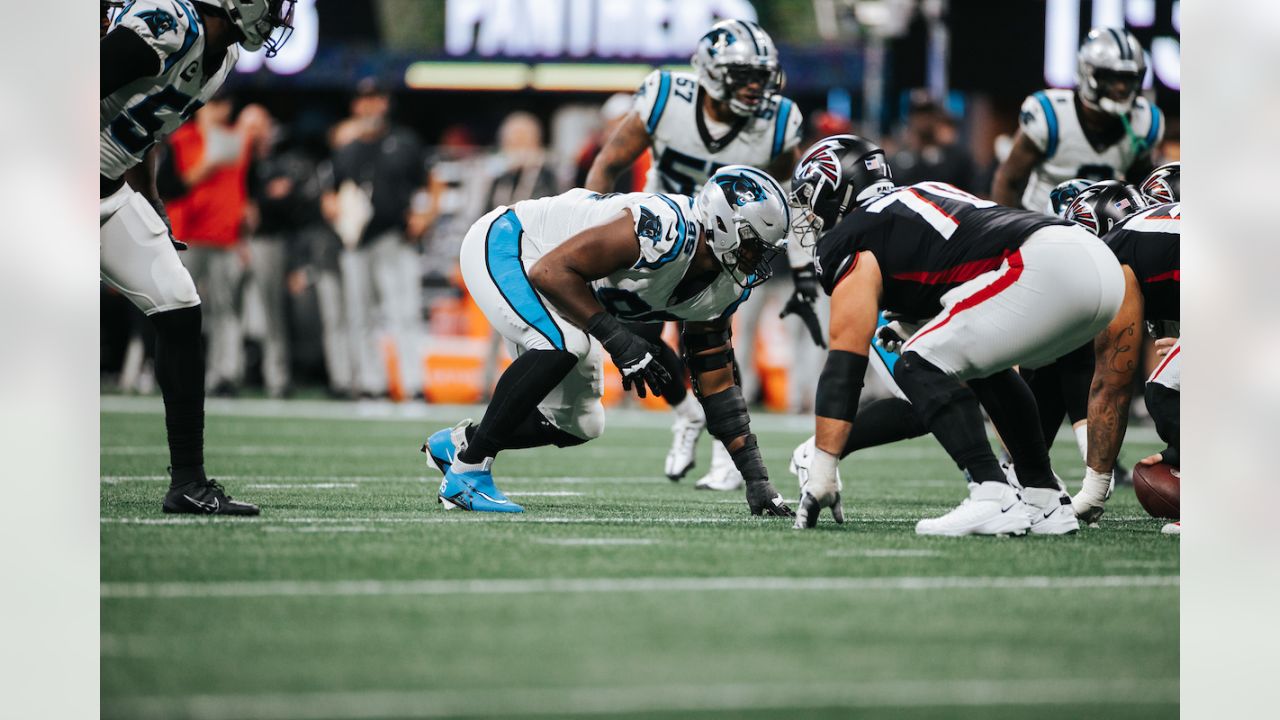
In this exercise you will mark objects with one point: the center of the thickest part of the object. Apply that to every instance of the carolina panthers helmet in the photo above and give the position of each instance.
(1101, 206)
(1062, 195)
(733, 55)
(1110, 67)
(262, 23)
(832, 177)
(746, 216)
(1163, 185)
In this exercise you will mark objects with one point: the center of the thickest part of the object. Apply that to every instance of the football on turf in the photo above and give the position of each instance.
(1157, 487)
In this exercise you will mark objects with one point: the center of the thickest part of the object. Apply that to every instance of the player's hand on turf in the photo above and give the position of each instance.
(764, 499)
(811, 509)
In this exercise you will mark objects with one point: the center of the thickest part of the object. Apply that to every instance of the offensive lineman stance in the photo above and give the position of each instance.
(161, 61)
(1146, 242)
(729, 112)
(1103, 130)
(1002, 287)
(556, 275)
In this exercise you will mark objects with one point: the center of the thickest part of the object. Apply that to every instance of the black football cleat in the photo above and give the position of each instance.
(205, 497)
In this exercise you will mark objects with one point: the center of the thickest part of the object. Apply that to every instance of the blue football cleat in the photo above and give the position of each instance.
(474, 491)
(443, 445)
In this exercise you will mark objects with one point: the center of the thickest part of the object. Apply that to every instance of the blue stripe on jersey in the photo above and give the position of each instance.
(1154, 131)
(1051, 118)
(193, 32)
(889, 359)
(664, 90)
(677, 246)
(780, 126)
(502, 260)
(746, 293)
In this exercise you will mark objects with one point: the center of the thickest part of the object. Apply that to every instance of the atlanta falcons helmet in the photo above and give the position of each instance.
(832, 177)
(1110, 68)
(1102, 206)
(733, 55)
(1062, 195)
(262, 23)
(1163, 184)
(746, 216)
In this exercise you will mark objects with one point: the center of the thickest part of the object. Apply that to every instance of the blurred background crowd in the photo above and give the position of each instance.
(325, 193)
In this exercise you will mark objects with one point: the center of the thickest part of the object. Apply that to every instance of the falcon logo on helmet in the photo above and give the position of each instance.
(834, 176)
(1102, 206)
(1163, 185)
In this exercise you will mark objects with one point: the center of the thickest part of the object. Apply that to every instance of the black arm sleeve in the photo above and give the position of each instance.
(125, 57)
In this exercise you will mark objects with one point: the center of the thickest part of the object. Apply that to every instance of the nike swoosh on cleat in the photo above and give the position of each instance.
(1049, 512)
(492, 499)
(207, 507)
(1007, 509)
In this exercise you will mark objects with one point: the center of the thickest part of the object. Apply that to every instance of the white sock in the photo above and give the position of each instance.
(462, 467)
(690, 409)
(1082, 439)
(720, 455)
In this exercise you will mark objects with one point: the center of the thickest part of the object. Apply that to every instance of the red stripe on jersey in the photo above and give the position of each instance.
(963, 272)
(1175, 275)
(1176, 349)
(935, 205)
(997, 286)
(1162, 217)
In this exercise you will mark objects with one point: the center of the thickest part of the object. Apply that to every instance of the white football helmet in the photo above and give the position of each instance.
(736, 54)
(263, 23)
(1110, 68)
(1062, 195)
(745, 215)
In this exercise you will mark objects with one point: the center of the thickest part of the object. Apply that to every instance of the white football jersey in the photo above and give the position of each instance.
(668, 231)
(684, 152)
(1049, 119)
(147, 110)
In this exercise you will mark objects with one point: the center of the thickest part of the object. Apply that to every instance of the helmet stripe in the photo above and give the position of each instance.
(750, 35)
(1123, 43)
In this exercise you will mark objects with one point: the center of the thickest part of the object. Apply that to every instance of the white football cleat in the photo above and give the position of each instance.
(1090, 502)
(684, 447)
(723, 474)
(1173, 528)
(992, 508)
(1050, 511)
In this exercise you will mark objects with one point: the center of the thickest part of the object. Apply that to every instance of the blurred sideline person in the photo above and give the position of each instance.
(456, 189)
(1146, 242)
(989, 287)
(151, 81)
(1103, 130)
(729, 111)
(612, 114)
(930, 150)
(556, 276)
(377, 173)
(210, 159)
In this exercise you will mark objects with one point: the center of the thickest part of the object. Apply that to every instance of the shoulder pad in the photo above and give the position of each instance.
(662, 229)
(788, 124)
(651, 98)
(1148, 123)
(1038, 120)
(170, 27)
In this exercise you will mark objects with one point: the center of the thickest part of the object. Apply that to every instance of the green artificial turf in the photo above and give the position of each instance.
(616, 594)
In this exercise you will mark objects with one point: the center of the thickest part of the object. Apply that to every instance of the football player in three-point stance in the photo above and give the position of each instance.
(1146, 242)
(1002, 287)
(728, 112)
(160, 61)
(1103, 130)
(558, 276)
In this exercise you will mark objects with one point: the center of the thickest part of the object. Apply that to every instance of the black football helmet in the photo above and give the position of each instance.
(834, 176)
(1163, 184)
(1102, 206)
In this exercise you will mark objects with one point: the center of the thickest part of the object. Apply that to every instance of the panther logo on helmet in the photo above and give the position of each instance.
(719, 39)
(741, 189)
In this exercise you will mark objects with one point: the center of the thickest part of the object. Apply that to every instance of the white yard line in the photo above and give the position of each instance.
(565, 586)
(499, 701)
(301, 486)
(547, 493)
(885, 553)
(437, 517)
(595, 541)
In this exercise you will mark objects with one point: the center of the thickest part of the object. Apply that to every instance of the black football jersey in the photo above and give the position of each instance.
(1148, 243)
(928, 238)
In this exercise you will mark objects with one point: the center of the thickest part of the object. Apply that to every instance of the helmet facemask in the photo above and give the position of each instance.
(1110, 68)
(745, 218)
(750, 262)
(1113, 91)
(270, 29)
(746, 87)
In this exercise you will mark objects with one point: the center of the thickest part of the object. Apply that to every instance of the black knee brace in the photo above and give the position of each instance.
(928, 388)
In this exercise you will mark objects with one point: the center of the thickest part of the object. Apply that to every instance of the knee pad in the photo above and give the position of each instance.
(590, 423)
(928, 388)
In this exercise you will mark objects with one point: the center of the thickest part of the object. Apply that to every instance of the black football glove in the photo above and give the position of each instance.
(801, 302)
(636, 358)
(764, 499)
(158, 204)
